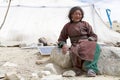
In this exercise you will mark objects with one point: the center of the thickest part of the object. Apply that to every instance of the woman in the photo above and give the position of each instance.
(84, 50)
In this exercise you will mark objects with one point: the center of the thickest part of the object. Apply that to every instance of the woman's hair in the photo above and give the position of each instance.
(72, 10)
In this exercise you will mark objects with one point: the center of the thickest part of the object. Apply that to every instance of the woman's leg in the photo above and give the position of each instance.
(93, 64)
(76, 63)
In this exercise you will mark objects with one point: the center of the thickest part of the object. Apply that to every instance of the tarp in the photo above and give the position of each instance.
(28, 20)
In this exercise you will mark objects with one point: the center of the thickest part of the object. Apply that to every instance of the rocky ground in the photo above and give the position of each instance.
(15, 61)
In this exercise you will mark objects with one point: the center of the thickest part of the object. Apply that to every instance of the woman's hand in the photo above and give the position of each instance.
(65, 48)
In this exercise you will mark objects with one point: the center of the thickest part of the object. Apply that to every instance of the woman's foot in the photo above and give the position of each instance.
(91, 73)
(78, 71)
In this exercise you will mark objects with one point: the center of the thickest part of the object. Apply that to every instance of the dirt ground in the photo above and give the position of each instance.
(23, 62)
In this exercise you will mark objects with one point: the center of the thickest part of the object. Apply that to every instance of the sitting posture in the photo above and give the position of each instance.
(84, 50)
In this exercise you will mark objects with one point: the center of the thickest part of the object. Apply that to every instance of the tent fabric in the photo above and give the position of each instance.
(28, 20)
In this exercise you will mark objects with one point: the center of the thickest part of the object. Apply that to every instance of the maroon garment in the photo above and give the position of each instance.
(76, 31)
(79, 50)
(84, 50)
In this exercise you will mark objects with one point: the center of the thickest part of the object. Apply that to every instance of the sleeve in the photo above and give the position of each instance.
(91, 35)
(63, 37)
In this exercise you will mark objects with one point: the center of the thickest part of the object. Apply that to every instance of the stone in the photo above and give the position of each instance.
(44, 73)
(11, 76)
(50, 67)
(69, 73)
(38, 62)
(43, 40)
(109, 61)
(63, 60)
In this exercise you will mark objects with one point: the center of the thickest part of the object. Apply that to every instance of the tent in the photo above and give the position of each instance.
(28, 20)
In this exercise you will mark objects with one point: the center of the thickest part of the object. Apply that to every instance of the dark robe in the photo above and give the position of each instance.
(79, 50)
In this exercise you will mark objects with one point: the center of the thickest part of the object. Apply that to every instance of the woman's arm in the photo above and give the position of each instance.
(62, 40)
(91, 35)
(63, 37)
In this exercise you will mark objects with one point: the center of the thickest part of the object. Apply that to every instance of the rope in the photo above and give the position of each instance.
(5, 15)
(30, 6)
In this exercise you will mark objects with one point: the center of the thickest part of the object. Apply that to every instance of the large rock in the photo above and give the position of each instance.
(108, 63)
(60, 59)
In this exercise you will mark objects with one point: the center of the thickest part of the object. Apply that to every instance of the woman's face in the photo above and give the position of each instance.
(76, 16)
